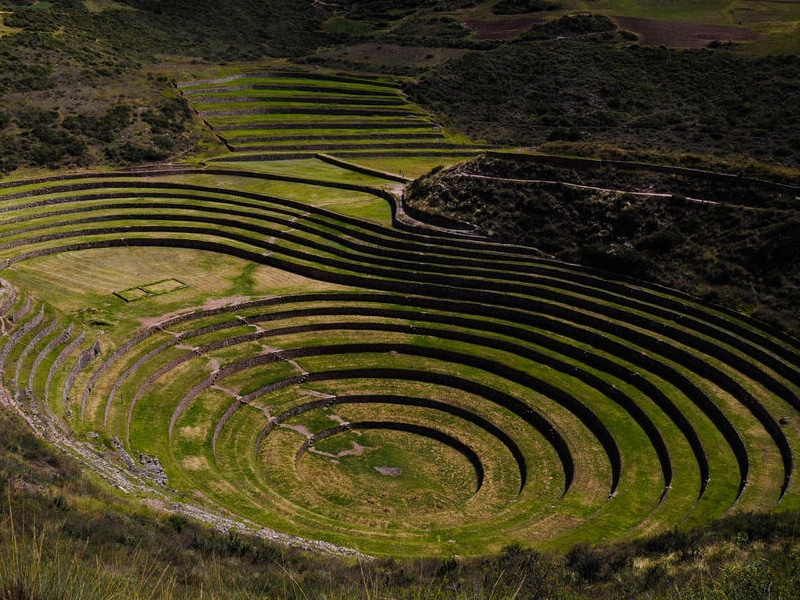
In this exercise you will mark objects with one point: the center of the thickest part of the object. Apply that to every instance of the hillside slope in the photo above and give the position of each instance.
(80, 81)
(729, 242)
(579, 79)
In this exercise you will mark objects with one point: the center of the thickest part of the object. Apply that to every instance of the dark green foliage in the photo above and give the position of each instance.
(247, 29)
(41, 141)
(577, 78)
(566, 134)
(30, 117)
(9, 153)
(624, 260)
(407, 23)
(133, 152)
(104, 128)
(51, 147)
(571, 26)
(44, 139)
(684, 543)
(518, 7)
(63, 50)
(432, 31)
(764, 579)
(110, 47)
(780, 244)
(169, 116)
(381, 9)
(745, 258)
(587, 562)
(525, 571)
(389, 10)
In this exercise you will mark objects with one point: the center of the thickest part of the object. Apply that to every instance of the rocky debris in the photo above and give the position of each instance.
(123, 454)
(390, 471)
(133, 480)
(152, 469)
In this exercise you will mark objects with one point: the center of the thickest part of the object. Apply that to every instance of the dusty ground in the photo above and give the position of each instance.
(674, 34)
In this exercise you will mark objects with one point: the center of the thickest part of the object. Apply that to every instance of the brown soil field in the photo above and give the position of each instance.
(676, 34)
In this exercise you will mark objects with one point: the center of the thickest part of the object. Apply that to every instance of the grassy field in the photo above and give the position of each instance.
(775, 24)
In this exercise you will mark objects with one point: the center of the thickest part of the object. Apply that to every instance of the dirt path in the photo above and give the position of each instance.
(588, 187)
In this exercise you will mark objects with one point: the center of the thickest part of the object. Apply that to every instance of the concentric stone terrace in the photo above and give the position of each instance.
(430, 393)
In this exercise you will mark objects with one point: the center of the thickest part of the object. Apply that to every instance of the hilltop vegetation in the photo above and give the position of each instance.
(580, 79)
(78, 81)
(571, 78)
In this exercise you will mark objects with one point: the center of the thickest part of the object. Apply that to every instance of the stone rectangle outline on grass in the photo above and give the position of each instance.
(148, 290)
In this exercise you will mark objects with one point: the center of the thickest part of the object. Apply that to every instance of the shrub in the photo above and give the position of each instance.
(516, 7)
(48, 147)
(528, 572)
(565, 134)
(168, 115)
(586, 562)
(9, 153)
(676, 540)
(134, 152)
(32, 117)
(104, 128)
(570, 25)
(41, 565)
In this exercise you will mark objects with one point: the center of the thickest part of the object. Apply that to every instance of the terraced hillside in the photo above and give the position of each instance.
(288, 115)
(291, 359)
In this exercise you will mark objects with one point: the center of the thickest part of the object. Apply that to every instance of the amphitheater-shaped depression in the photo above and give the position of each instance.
(406, 392)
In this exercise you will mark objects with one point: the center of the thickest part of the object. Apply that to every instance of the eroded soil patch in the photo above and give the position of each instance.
(676, 34)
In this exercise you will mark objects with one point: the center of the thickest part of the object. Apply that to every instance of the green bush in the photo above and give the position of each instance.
(134, 152)
(31, 117)
(517, 7)
(10, 148)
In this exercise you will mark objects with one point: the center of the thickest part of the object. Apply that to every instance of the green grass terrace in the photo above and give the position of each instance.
(288, 114)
